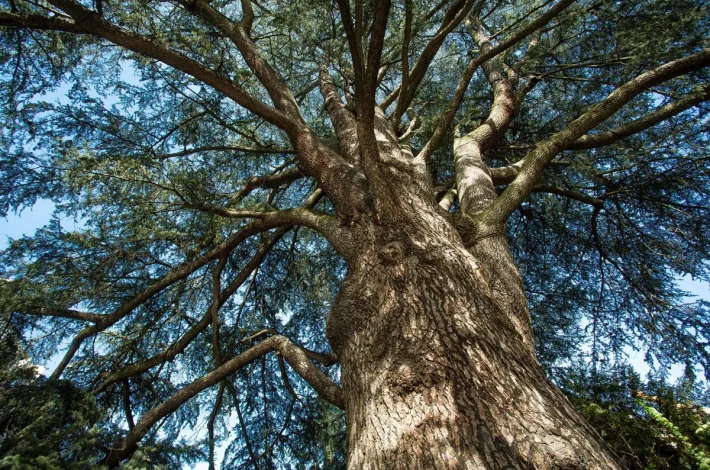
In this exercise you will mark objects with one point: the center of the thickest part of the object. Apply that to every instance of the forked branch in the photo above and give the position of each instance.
(447, 116)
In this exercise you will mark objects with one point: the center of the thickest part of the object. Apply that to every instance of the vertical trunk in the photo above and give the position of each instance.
(436, 372)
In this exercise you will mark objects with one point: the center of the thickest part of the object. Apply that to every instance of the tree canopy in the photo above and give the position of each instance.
(194, 236)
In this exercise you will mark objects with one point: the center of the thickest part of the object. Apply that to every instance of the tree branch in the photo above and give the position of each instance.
(181, 344)
(609, 137)
(89, 22)
(568, 193)
(366, 96)
(407, 36)
(211, 421)
(64, 313)
(277, 88)
(354, 42)
(266, 182)
(303, 215)
(473, 180)
(223, 148)
(453, 17)
(315, 158)
(126, 395)
(536, 161)
(293, 355)
(342, 119)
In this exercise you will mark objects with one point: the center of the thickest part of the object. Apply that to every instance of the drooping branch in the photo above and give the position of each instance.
(89, 22)
(265, 182)
(315, 158)
(293, 355)
(242, 426)
(327, 225)
(535, 162)
(186, 339)
(569, 194)
(223, 148)
(447, 116)
(214, 308)
(338, 235)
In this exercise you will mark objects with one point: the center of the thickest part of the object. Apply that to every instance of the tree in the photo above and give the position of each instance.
(649, 425)
(232, 166)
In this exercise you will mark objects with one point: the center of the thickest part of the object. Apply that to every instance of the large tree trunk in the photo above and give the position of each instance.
(438, 366)
(436, 375)
(431, 324)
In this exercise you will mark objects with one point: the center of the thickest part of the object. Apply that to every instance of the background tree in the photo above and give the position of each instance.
(232, 166)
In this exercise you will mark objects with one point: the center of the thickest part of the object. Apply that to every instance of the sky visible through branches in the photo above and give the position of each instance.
(29, 220)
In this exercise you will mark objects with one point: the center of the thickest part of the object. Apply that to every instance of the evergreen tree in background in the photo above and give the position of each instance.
(298, 234)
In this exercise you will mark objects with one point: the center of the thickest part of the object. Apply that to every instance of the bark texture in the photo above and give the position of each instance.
(431, 324)
(436, 375)
(433, 334)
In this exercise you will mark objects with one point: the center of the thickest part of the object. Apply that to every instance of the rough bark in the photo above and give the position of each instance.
(435, 374)
(432, 332)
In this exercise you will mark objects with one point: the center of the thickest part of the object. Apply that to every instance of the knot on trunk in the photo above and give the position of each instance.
(392, 253)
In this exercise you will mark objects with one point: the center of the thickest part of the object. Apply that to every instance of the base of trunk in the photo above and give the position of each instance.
(436, 375)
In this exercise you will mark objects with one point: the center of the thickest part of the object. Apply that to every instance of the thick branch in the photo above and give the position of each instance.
(366, 96)
(447, 116)
(315, 158)
(293, 355)
(326, 225)
(473, 180)
(354, 42)
(536, 161)
(342, 119)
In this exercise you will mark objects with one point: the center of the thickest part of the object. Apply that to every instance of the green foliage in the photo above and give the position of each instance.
(44, 424)
(650, 426)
